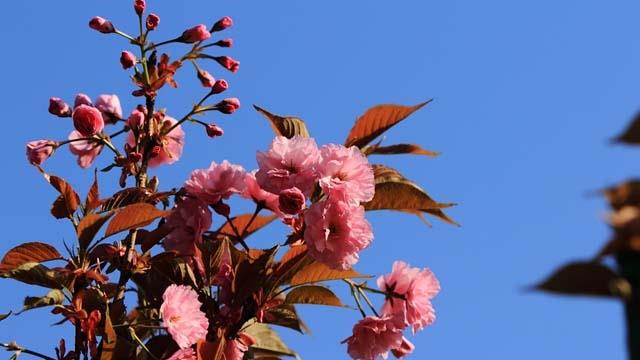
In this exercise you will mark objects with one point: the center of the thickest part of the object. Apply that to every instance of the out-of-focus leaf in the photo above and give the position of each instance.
(53, 297)
(398, 149)
(67, 203)
(35, 274)
(287, 126)
(161, 346)
(631, 135)
(148, 239)
(624, 194)
(268, 342)
(395, 192)
(317, 272)
(251, 275)
(580, 278)
(206, 350)
(4, 316)
(93, 196)
(89, 226)
(377, 120)
(240, 222)
(292, 261)
(313, 294)
(27, 253)
(134, 216)
(286, 315)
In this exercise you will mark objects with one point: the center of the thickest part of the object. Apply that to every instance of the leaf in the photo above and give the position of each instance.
(53, 297)
(626, 193)
(631, 135)
(4, 316)
(316, 272)
(89, 227)
(148, 239)
(268, 341)
(240, 222)
(580, 278)
(67, 203)
(292, 261)
(26, 253)
(35, 274)
(127, 197)
(399, 149)
(376, 121)
(395, 192)
(93, 196)
(134, 216)
(287, 126)
(251, 275)
(313, 294)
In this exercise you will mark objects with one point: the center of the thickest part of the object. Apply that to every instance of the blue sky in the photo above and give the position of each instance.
(527, 94)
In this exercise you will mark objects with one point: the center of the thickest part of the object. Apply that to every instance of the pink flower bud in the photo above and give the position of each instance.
(220, 86)
(135, 156)
(102, 25)
(214, 130)
(222, 24)
(87, 120)
(291, 201)
(109, 106)
(127, 59)
(40, 150)
(224, 43)
(58, 107)
(222, 209)
(82, 99)
(205, 78)
(228, 105)
(152, 21)
(136, 119)
(155, 151)
(195, 34)
(139, 6)
(228, 63)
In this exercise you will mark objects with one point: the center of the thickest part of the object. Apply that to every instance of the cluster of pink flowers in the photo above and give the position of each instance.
(408, 305)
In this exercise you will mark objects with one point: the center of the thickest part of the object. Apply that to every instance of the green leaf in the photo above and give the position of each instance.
(313, 294)
(35, 274)
(287, 126)
(53, 297)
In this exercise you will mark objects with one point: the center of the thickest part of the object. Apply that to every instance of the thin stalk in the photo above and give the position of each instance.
(15, 347)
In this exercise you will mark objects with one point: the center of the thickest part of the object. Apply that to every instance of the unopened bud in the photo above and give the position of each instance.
(102, 25)
(224, 23)
(58, 107)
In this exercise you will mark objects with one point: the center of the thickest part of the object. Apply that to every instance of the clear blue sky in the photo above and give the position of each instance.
(527, 94)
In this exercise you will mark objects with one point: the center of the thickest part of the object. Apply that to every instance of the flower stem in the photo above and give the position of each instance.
(16, 348)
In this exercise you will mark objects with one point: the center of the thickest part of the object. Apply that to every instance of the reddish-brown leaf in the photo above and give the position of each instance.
(241, 223)
(621, 195)
(377, 120)
(399, 149)
(292, 261)
(313, 294)
(148, 239)
(134, 216)
(35, 252)
(89, 227)
(210, 351)
(631, 135)
(67, 203)
(317, 272)
(93, 196)
(287, 126)
(581, 278)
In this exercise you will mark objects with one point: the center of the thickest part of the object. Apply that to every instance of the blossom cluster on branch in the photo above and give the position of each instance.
(203, 292)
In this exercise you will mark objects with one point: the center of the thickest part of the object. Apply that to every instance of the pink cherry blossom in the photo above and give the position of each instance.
(172, 143)
(184, 354)
(288, 163)
(406, 348)
(136, 119)
(40, 150)
(336, 231)
(109, 106)
(216, 183)
(291, 201)
(260, 196)
(189, 220)
(345, 171)
(373, 337)
(84, 150)
(181, 315)
(87, 120)
(235, 349)
(418, 286)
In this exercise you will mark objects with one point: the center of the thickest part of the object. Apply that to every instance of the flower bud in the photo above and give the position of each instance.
(139, 6)
(220, 86)
(222, 209)
(135, 156)
(109, 106)
(102, 25)
(224, 43)
(136, 119)
(291, 201)
(214, 130)
(82, 99)
(127, 59)
(228, 63)
(87, 120)
(205, 78)
(152, 21)
(40, 150)
(58, 107)
(228, 105)
(222, 24)
(155, 151)
(195, 34)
